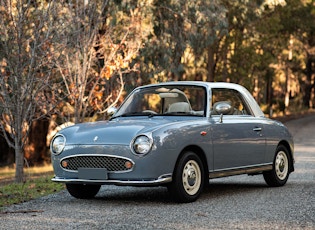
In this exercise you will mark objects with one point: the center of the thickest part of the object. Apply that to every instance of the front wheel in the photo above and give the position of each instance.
(188, 178)
(83, 191)
(279, 174)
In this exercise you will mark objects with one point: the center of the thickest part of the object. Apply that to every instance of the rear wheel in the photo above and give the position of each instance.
(279, 175)
(188, 179)
(83, 191)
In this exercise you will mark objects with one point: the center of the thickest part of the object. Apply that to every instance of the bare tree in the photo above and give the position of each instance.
(94, 56)
(26, 35)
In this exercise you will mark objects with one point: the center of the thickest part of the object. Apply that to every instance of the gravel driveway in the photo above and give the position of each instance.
(239, 202)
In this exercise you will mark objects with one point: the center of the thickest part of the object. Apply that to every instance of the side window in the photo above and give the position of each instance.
(233, 98)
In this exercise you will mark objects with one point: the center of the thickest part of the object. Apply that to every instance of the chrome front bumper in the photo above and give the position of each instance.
(161, 180)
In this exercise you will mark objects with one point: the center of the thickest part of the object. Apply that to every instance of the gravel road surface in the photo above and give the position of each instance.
(239, 202)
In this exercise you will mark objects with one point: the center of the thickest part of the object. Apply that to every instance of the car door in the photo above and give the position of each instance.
(238, 139)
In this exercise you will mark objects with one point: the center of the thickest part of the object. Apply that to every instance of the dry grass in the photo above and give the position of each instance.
(7, 173)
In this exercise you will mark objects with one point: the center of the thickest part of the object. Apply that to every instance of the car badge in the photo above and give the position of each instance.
(95, 139)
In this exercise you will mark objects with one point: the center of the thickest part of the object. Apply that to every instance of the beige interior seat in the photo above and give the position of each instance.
(179, 107)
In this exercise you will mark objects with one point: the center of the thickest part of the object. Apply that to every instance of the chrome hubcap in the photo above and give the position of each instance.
(191, 177)
(281, 165)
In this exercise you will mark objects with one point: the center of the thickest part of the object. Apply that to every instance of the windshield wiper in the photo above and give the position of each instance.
(182, 114)
(149, 114)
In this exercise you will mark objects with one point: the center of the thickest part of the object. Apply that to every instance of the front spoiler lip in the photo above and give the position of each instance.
(161, 180)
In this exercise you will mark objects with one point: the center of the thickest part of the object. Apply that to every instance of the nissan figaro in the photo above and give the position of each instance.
(174, 134)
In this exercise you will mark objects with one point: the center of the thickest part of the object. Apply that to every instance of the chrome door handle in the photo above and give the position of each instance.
(257, 129)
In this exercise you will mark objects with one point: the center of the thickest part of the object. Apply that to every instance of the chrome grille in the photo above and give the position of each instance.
(111, 163)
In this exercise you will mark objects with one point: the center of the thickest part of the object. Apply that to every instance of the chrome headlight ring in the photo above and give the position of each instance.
(58, 144)
(141, 145)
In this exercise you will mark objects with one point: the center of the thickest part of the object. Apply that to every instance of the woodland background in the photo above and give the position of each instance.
(68, 61)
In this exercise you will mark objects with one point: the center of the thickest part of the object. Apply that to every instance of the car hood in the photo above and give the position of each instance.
(110, 132)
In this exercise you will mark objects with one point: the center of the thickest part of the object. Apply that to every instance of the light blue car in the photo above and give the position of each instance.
(174, 134)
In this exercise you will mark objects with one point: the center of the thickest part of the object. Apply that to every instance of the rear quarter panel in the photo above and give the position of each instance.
(276, 132)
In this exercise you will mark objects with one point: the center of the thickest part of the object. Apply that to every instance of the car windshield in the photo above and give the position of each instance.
(165, 100)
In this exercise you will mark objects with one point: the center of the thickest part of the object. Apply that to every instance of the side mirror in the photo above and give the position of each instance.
(223, 107)
(111, 111)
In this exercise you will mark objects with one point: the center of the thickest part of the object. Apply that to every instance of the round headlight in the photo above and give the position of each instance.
(142, 145)
(58, 144)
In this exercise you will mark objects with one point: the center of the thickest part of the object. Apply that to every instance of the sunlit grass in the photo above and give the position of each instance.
(37, 184)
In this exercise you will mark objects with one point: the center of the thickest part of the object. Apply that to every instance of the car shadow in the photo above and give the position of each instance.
(215, 189)
(134, 194)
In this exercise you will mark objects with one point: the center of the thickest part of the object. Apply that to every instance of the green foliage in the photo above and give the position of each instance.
(179, 26)
(14, 193)
(298, 23)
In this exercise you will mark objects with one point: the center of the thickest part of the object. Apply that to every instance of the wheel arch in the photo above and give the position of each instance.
(290, 151)
(201, 154)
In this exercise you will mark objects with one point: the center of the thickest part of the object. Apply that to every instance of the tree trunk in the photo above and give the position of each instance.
(307, 86)
(19, 162)
(18, 143)
(211, 63)
(269, 91)
(287, 90)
